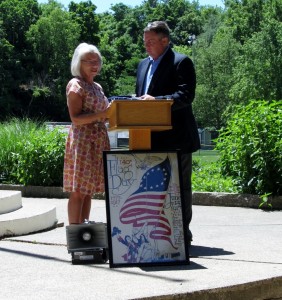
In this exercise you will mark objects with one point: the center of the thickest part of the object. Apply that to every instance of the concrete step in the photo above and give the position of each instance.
(30, 218)
(10, 201)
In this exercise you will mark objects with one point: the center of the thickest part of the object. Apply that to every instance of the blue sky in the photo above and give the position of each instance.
(104, 5)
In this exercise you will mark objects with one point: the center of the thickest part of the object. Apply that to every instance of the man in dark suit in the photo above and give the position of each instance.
(166, 74)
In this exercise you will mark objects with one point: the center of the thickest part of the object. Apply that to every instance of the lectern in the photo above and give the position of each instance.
(140, 117)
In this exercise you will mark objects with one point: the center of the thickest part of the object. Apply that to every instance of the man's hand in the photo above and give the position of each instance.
(147, 97)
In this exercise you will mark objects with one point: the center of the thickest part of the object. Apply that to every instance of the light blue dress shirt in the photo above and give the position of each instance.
(151, 70)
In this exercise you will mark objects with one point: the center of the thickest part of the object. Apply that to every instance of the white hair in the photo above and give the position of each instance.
(79, 52)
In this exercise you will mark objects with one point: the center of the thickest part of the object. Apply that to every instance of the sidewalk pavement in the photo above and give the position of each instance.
(236, 254)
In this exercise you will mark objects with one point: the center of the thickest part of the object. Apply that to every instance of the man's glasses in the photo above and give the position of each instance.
(152, 42)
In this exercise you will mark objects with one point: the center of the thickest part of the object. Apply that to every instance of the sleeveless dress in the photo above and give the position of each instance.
(83, 161)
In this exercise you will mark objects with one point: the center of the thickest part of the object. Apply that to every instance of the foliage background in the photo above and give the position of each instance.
(236, 51)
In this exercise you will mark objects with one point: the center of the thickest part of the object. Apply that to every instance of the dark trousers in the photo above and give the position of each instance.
(186, 167)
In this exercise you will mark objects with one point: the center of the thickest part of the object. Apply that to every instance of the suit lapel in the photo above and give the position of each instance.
(159, 71)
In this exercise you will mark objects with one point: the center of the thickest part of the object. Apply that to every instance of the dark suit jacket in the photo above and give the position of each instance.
(174, 78)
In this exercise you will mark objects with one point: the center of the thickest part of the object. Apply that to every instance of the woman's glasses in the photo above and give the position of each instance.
(91, 62)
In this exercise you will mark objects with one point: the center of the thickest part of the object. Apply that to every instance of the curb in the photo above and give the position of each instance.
(262, 289)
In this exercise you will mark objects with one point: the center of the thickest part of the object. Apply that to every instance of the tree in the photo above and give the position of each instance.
(213, 19)
(53, 39)
(214, 68)
(121, 46)
(258, 70)
(243, 17)
(15, 17)
(184, 19)
(7, 65)
(84, 15)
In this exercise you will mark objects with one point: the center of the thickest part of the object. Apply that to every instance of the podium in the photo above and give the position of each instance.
(140, 117)
(139, 184)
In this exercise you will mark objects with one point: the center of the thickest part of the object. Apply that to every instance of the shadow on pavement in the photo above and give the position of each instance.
(196, 251)
(39, 256)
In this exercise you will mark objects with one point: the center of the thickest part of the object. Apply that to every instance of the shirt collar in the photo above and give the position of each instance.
(151, 60)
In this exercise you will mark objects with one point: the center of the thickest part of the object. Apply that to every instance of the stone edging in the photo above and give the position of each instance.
(199, 198)
(233, 200)
(36, 191)
(41, 191)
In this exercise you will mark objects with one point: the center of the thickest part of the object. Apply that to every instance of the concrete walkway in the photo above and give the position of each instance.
(236, 254)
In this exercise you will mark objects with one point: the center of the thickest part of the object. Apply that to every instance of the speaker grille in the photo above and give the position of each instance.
(98, 232)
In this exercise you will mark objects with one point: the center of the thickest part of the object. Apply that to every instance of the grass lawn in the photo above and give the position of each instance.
(206, 155)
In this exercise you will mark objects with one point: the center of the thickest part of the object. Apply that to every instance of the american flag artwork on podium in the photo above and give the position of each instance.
(144, 208)
(145, 205)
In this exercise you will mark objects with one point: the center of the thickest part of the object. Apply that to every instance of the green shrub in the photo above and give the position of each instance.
(11, 133)
(206, 177)
(35, 157)
(251, 147)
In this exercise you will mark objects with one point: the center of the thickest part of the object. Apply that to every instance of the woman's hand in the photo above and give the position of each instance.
(79, 118)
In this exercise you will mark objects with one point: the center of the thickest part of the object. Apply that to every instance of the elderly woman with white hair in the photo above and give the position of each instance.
(88, 137)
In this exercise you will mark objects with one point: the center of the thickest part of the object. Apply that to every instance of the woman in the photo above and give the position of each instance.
(88, 137)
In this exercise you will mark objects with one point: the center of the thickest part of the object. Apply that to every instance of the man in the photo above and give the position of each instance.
(166, 74)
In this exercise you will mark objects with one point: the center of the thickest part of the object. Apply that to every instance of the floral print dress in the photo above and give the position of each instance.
(83, 161)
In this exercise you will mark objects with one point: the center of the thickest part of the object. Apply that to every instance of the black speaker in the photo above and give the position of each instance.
(87, 242)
